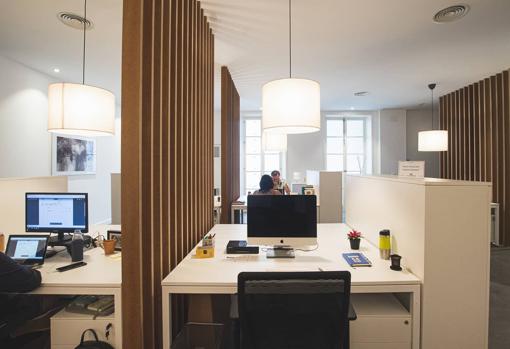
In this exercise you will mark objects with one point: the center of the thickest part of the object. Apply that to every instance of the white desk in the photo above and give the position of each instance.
(101, 276)
(218, 275)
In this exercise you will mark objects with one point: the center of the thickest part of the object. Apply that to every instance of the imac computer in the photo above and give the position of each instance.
(282, 221)
(58, 213)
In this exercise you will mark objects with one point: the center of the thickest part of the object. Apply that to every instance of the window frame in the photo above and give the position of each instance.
(344, 118)
(244, 172)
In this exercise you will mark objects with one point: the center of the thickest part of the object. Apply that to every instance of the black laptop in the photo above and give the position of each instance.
(27, 249)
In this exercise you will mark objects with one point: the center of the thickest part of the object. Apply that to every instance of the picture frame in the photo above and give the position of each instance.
(73, 155)
(115, 235)
(309, 191)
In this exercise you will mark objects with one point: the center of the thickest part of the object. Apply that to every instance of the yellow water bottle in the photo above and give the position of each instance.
(385, 244)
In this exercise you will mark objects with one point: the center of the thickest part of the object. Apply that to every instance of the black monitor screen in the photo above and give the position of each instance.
(282, 216)
(56, 212)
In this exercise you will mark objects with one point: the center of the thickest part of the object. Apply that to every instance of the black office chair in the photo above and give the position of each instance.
(294, 309)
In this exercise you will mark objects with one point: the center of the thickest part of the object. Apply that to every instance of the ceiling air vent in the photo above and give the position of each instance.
(451, 13)
(74, 21)
(361, 94)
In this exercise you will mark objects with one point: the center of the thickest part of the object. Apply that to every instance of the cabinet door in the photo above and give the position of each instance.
(374, 329)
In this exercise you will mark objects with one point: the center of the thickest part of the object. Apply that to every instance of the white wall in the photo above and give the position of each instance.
(392, 134)
(25, 143)
(416, 121)
(305, 152)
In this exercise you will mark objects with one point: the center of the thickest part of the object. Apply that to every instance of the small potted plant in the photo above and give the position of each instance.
(354, 237)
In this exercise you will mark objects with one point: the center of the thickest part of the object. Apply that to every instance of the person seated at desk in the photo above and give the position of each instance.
(16, 309)
(17, 278)
(279, 183)
(266, 187)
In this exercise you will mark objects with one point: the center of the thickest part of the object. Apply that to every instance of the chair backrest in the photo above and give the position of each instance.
(293, 309)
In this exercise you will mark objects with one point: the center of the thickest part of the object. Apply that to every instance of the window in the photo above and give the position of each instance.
(346, 144)
(256, 161)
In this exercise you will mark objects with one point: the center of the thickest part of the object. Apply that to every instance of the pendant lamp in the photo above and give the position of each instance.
(274, 142)
(291, 105)
(433, 140)
(81, 109)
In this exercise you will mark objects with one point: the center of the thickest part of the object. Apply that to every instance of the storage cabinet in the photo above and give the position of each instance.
(383, 322)
(67, 327)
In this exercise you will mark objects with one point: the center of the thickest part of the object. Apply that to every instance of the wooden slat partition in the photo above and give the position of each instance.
(478, 120)
(167, 154)
(230, 144)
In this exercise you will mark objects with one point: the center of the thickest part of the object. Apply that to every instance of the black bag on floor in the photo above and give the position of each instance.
(93, 344)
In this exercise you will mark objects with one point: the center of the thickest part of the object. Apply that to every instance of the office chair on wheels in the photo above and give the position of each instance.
(294, 309)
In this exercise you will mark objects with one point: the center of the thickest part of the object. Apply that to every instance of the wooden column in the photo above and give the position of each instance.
(477, 118)
(230, 144)
(167, 154)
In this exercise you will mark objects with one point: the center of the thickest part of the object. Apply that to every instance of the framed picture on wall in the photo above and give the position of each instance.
(73, 155)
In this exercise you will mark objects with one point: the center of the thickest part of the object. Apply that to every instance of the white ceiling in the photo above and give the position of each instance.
(31, 33)
(390, 48)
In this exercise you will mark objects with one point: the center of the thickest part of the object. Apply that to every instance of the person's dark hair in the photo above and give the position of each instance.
(266, 183)
(275, 173)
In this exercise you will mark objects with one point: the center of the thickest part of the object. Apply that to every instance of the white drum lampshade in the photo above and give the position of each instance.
(79, 109)
(436, 140)
(274, 141)
(291, 106)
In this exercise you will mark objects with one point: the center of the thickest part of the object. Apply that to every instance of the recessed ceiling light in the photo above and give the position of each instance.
(56, 70)
(361, 93)
(451, 14)
(352, 108)
(74, 21)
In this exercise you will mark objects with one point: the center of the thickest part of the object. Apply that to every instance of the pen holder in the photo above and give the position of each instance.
(208, 241)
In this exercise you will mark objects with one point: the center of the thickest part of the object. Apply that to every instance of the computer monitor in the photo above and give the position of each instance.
(282, 220)
(56, 213)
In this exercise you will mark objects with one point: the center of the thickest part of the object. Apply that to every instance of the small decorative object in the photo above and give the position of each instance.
(354, 237)
(395, 262)
(385, 244)
(73, 156)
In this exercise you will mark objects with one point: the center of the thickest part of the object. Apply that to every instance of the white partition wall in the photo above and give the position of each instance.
(442, 230)
(12, 199)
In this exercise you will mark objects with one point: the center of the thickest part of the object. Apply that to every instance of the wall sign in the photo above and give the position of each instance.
(415, 169)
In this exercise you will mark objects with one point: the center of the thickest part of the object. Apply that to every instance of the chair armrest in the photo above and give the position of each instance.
(352, 313)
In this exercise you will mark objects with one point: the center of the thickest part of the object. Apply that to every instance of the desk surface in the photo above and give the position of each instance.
(220, 273)
(100, 271)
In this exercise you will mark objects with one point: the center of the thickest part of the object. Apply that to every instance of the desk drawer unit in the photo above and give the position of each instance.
(66, 329)
(383, 322)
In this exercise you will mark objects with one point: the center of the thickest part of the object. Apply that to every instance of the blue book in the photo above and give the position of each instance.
(357, 259)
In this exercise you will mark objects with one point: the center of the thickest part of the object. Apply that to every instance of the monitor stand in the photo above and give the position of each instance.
(60, 240)
(280, 251)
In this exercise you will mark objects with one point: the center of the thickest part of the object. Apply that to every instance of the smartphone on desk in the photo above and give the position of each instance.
(71, 266)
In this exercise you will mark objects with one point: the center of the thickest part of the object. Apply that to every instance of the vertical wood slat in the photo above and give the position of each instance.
(230, 144)
(478, 120)
(167, 187)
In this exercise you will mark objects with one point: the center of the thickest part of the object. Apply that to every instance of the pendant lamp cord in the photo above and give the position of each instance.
(432, 87)
(290, 39)
(84, 40)
(431, 107)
